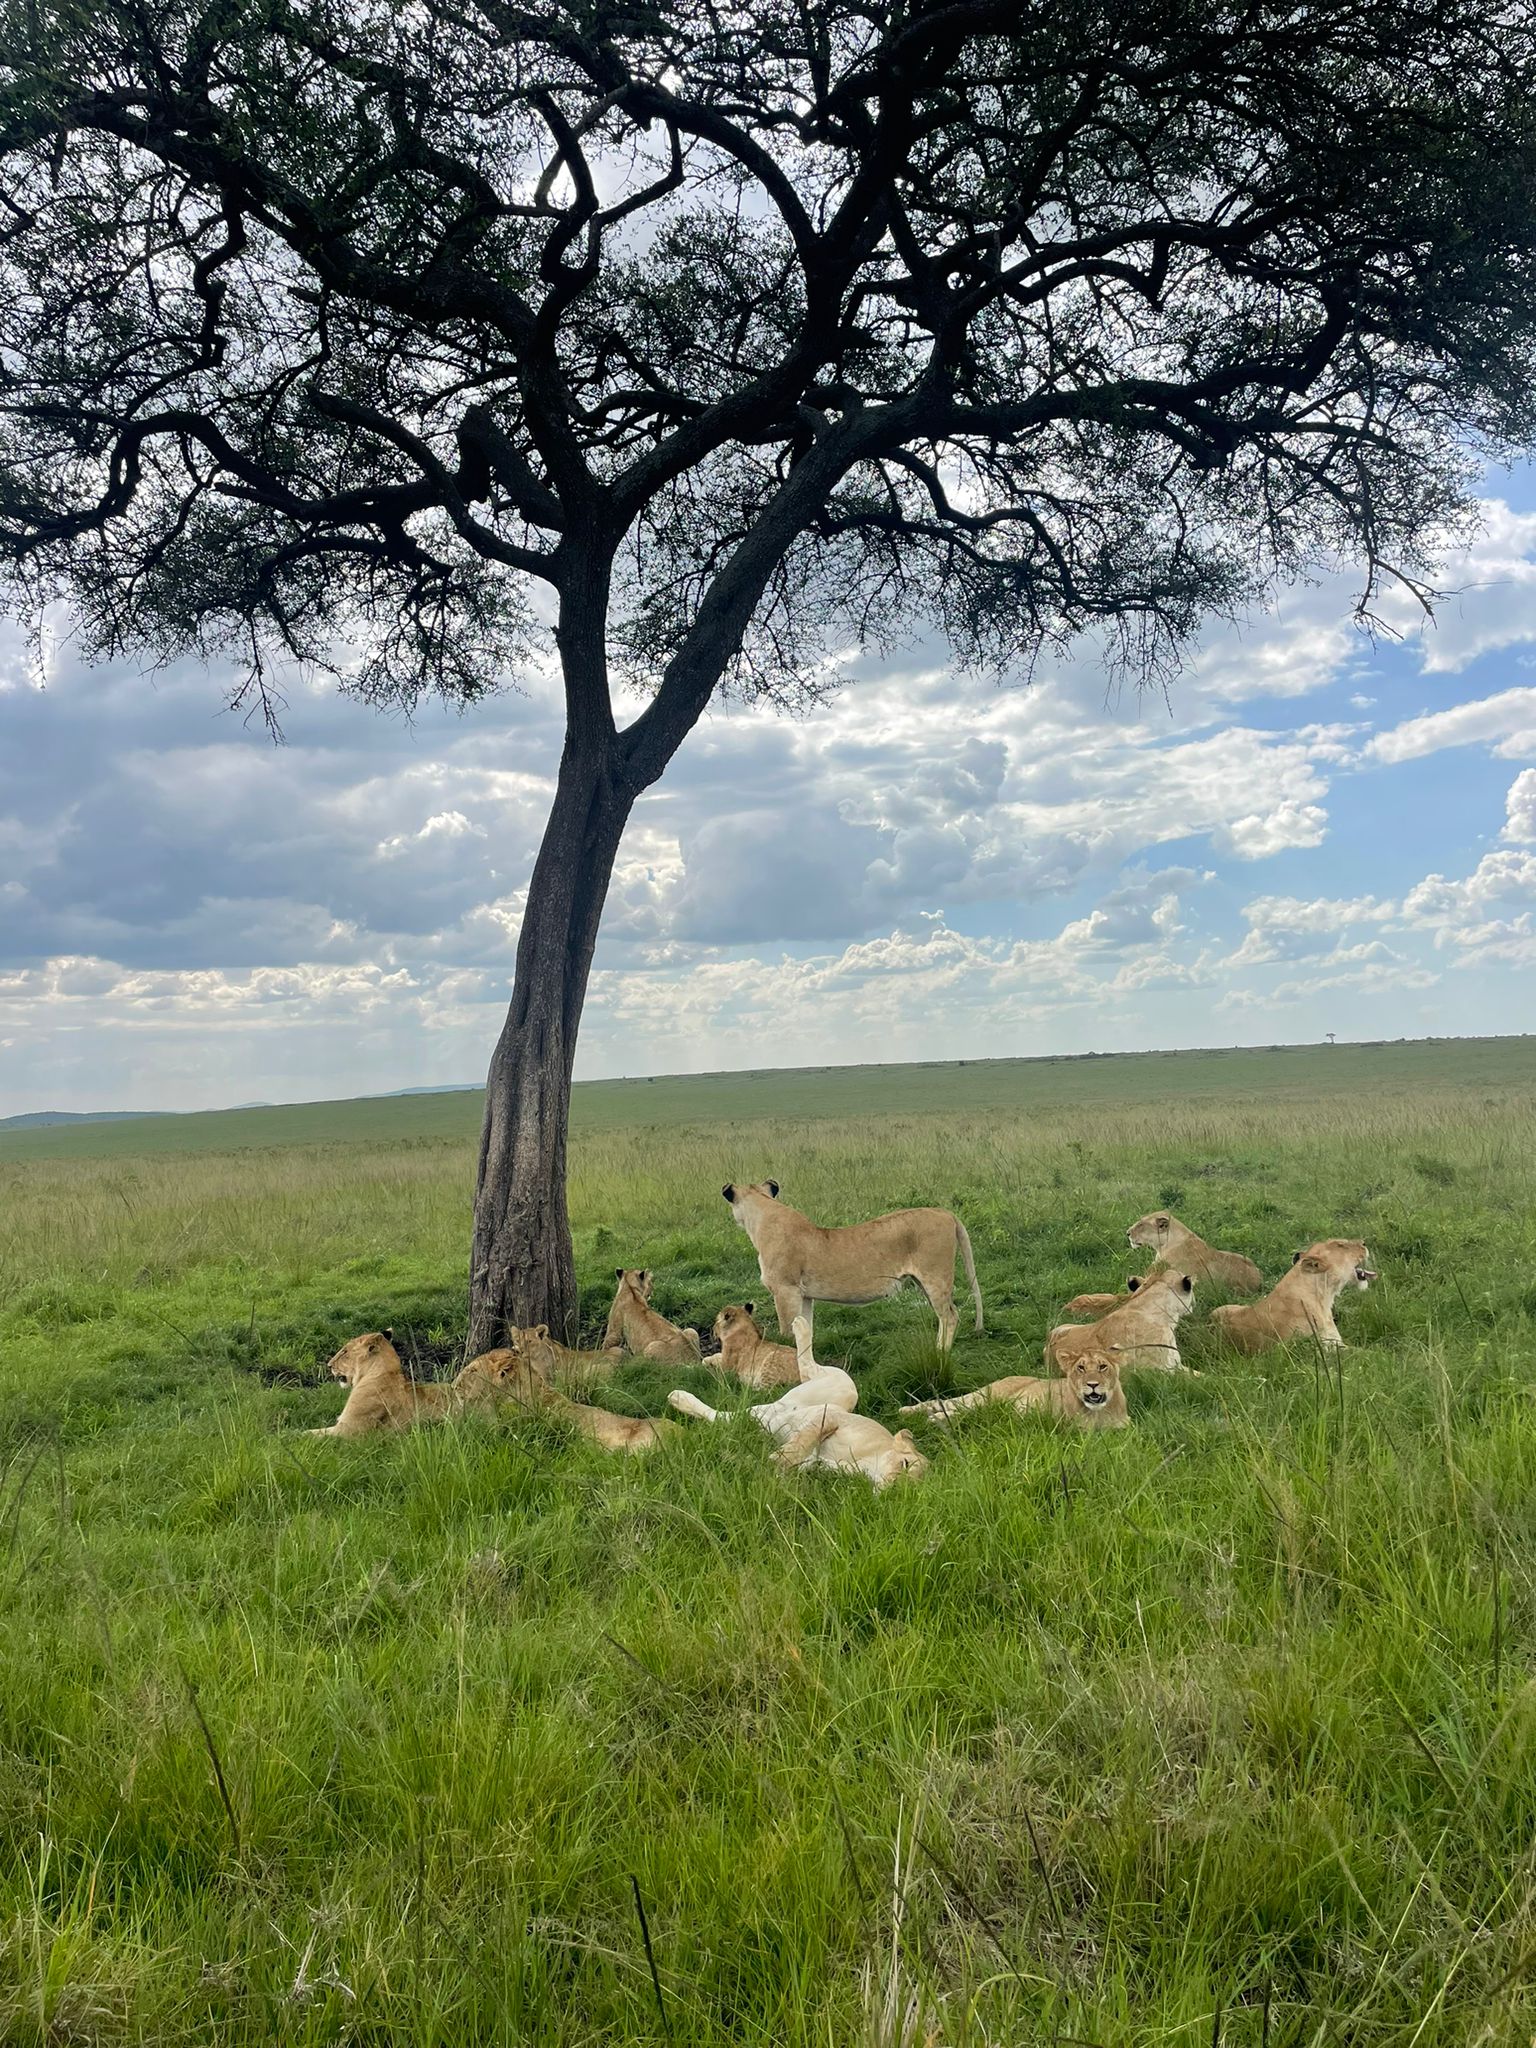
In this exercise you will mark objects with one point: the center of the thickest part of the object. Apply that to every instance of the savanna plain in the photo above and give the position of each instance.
(1218, 1729)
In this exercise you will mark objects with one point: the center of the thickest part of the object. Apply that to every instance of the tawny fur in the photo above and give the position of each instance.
(801, 1263)
(1301, 1304)
(747, 1354)
(560, 1363)
(815, 1424)
(1089, 1394)
(1141, 1334)
(1088, 1308)
(381, 1397)
(818, 1387)
(1179, 1250)
(844, 1442)
(515, 1374)
(634, 1326)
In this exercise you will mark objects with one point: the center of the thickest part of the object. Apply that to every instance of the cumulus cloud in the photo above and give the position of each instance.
(1296, 928)
(1520, 809)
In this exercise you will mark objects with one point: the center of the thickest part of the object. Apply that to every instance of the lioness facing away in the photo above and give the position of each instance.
(1300, 1304)
(1142, 1333)
(746, 1353)
(634, 1326)
(381, 1397)
(515, 1373)
(1089, 1394)
(801, 1263)
(1179, 1250)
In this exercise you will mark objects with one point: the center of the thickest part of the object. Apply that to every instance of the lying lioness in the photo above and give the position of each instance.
(819, 1387)
(1180, 1251)
(1090, 1307)
(1139, 1334)
(381, 1396)
(845, 1442)
(559, 1362)
(802, 1264)
(633, 1325)
(513, 1373)
(1090, 1394)
(746, 1352)
(1301, 1304)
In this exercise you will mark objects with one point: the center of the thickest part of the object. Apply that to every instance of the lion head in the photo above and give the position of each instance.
(1094, 1380)
(1152, 1232)
(640, 1278)
(903, 1460)
(1344, 1261)
(736, 1316)
(363, 1355)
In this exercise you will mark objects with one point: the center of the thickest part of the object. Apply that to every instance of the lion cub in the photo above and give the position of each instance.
(381, 1396)
(747, 1353)
(1301, 1304)
(512, 1371)
(1179, 1251)
(1090, 1395)
(634, 1326)
(1140, 1334)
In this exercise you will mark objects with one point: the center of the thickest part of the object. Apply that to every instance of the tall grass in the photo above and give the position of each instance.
(1219, 1730)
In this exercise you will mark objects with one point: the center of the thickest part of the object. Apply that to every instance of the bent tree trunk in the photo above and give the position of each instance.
(522, 1269)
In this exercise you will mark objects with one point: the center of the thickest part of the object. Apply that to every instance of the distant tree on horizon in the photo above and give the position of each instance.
(738, 335)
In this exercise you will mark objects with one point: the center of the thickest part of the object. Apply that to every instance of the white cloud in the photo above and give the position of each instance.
(1508, 720)
(1520, 809)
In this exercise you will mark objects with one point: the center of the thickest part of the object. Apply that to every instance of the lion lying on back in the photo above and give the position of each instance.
(1301, 1304)
(1089, 1394)
(815, 1423)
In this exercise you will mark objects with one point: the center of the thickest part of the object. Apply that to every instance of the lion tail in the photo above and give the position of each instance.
(962, 1239)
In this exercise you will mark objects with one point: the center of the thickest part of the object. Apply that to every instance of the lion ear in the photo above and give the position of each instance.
(773, 1188)
(541, 1331)
(1186, 1285)
(1295, 1258)
(618, 1272)
(389, 1336)
(1311, 1265)
(747, 1306)
(1133, 1283)
(729, 1191)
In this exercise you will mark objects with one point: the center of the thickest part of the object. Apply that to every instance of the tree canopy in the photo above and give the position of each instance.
(333, 328)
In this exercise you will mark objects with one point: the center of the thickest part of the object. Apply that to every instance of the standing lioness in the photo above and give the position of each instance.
(801, 1263)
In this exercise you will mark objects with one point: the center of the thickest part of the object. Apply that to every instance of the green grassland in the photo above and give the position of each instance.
(1221, 1729)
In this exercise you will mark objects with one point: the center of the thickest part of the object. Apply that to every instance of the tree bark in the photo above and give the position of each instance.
(522, 1268)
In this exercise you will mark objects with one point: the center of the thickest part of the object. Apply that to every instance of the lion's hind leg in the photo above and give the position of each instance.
(802, 1447)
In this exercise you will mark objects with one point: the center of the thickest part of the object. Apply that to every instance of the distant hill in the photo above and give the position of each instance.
(46, 1119)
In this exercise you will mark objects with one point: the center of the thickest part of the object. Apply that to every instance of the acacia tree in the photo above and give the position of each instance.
(748, 329)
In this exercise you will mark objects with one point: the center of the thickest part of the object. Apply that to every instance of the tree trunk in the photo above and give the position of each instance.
(522, 1268)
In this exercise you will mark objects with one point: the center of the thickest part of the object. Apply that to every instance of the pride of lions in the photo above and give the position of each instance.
(815, 1419)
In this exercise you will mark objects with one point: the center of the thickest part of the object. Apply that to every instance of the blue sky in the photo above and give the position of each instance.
(1311, 832)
